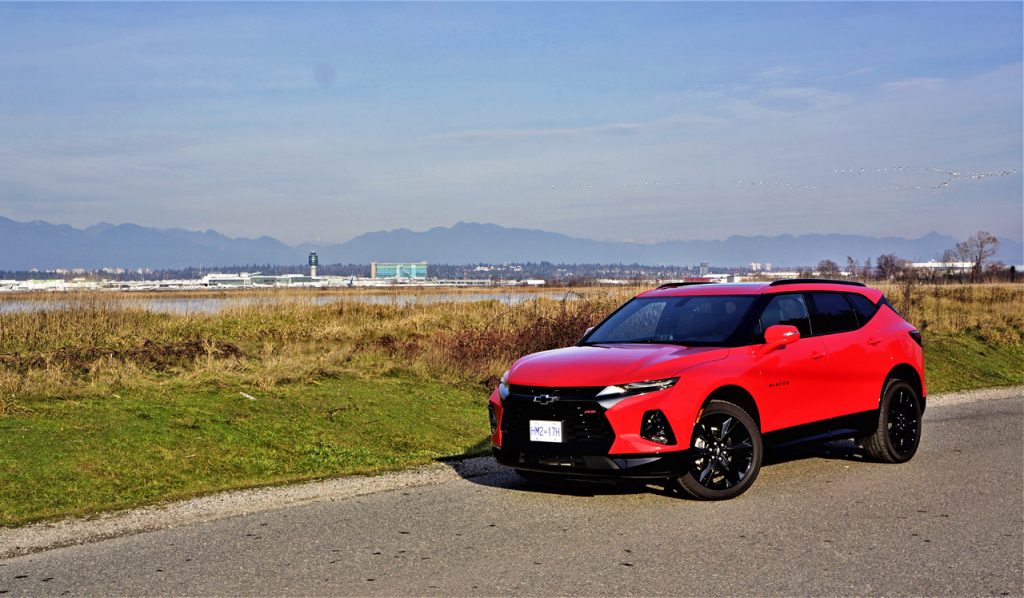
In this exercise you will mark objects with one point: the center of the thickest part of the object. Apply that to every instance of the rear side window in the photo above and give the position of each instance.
(786, 309)
(832, 313)
(865, 308)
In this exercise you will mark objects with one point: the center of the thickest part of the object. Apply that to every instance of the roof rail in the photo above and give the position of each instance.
(672, 285)
(785, 281)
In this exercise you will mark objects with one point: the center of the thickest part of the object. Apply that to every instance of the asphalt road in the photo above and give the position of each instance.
(822, 521)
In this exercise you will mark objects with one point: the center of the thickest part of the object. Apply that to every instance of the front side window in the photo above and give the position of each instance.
(698, 320)
(832, 313)
(789, 309)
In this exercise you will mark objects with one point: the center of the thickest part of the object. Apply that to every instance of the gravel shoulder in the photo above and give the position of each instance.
(48, 535)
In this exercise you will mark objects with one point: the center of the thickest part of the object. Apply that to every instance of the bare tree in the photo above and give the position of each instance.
(851, 265)
(977, 249)
(865, 272)
(828, 268)
(949, 259)
(890, 266)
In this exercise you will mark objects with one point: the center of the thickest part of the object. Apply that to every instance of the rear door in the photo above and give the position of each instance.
(856, 358)
(792, 378)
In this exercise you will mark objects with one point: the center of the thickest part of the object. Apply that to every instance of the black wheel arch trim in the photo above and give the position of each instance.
(737, 395)
(906, 373)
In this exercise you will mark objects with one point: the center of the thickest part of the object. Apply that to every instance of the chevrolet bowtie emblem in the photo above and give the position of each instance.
(545, 399)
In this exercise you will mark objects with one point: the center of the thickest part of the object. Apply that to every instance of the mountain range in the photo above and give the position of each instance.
(41, 245)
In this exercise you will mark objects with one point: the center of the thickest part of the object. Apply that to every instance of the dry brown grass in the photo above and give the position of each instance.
(992, 312)
(91, 343)
(94, 345)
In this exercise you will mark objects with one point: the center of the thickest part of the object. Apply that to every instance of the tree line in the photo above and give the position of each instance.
(970, 260)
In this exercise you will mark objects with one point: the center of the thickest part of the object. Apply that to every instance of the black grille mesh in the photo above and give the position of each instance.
(585, 430)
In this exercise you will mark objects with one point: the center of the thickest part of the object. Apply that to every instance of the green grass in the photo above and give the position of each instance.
(73, 457)
(963, 361)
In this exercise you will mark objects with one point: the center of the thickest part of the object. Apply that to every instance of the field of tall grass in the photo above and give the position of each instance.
(105, 404)
(93, 344)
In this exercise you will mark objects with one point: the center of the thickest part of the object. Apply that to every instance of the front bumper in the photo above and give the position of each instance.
(658, 466)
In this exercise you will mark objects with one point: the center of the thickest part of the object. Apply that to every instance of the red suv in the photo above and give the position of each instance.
(690, 382)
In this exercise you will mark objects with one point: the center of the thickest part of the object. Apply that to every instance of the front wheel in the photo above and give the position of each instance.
(726, 453)
(898, 433)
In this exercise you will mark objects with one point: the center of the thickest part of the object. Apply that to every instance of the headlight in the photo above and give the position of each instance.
(503, 391)
(635, 388)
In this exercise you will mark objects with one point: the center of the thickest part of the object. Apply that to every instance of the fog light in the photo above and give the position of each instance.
(654, 427)
(494, 418)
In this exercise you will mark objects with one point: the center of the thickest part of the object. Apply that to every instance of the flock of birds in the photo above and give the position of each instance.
(951, 176)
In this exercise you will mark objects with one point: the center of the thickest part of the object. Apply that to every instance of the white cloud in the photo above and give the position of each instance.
(778, 73)
(913, 83)
(624, 128)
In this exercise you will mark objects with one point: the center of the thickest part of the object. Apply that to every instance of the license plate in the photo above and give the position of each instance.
(545, 431)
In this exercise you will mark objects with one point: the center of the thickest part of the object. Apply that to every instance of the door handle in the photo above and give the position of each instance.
(818, 355)
(874, 340)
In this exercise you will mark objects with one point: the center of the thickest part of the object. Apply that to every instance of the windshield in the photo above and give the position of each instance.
(695, 320)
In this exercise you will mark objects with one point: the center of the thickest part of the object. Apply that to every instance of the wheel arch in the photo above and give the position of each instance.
(738, 396)
(908, 374)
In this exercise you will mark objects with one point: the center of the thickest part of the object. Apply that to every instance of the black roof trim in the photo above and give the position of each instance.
(672, 285)
(785, 281)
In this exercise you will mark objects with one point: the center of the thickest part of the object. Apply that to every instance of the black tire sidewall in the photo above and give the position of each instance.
(883, 420)
(698, 491)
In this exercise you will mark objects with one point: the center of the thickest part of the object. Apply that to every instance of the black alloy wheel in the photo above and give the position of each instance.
(726, 452)
(896, 438)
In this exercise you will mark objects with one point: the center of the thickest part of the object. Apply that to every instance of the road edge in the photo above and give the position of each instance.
(38, 537)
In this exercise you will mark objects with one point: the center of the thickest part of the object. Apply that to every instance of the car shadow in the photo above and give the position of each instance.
(484, 471)
(840, 450)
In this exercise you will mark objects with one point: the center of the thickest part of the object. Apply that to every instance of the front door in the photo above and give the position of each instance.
(794, 379)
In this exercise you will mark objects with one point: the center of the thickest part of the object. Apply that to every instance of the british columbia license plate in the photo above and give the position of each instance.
(545, 431)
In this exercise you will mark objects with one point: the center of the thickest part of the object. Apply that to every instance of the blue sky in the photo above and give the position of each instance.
(608, 121)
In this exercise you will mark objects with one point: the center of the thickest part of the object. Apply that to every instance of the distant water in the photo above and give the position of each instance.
(210, 305)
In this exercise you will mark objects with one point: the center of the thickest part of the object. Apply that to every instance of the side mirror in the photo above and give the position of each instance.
(779, 335)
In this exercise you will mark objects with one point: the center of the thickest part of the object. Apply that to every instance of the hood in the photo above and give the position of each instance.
(602, 365)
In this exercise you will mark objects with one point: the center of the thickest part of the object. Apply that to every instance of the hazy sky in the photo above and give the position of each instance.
(608, 121)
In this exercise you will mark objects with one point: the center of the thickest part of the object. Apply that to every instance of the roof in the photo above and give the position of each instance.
(757, 288)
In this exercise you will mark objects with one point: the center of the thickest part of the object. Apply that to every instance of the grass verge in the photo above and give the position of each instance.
(74, 457)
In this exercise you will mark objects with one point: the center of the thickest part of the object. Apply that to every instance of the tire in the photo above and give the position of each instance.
(898, 434)
(727, 453)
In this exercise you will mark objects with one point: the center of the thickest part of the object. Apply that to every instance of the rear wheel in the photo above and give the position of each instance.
(726, 453)
(898, 433)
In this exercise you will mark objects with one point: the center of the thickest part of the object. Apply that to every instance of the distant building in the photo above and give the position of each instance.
(246, 280)
(947, 266)
(314, 261)
(398, 271)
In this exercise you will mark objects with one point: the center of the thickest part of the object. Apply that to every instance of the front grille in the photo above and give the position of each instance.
(585, 430)
(562, 392)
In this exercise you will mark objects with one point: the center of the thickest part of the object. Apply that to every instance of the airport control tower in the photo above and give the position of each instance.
(313, 261)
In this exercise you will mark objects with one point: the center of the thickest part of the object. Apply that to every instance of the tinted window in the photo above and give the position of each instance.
(865, 308)
(640, 323)
(832, 313)
(786, 309)
(707, 320)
